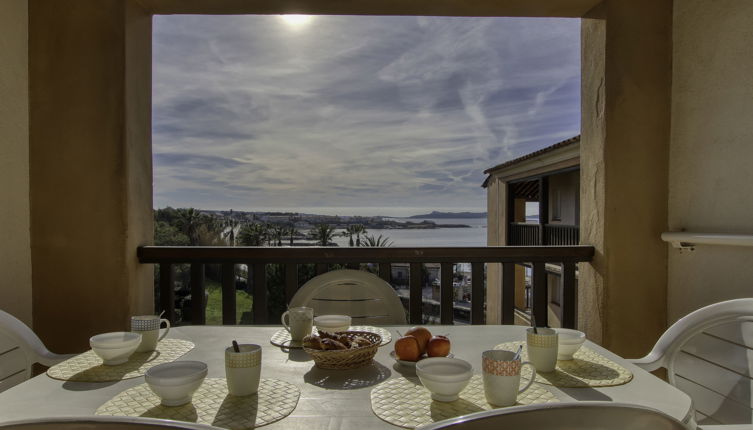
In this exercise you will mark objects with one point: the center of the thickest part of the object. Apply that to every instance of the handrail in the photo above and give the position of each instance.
(257, 258)
(685, 239)
(318, 254)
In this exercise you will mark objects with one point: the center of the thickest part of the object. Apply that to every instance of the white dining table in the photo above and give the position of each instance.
(330, 399)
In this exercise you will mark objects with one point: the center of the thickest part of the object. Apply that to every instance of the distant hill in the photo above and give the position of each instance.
(436, 214)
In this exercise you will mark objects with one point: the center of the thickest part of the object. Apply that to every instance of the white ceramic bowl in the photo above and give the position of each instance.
(444, 377)
(569, 343)
(332, 323)
(413, 363)
(176, 382)
(115, 347)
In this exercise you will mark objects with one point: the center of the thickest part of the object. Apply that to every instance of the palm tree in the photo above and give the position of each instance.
(292, 232)
(276, 233)
(253, 234)
(380, 241)
(350, 231)
(189, 221)
(323, 234)
(231, 224)
(359, 229)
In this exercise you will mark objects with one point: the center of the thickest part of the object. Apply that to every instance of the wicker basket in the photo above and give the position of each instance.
(347, 358)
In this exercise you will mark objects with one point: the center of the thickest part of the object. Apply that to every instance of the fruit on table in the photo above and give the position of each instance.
(439, 346)
(407, 348)
(422, 334)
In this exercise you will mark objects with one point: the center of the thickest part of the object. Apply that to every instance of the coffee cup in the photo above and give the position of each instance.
(243, 369)
(148, 326)
(542, 348)
(300, 322)
(501, 373)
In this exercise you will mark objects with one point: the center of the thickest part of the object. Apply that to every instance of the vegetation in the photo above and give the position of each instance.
(376, 241)
(323, 234)
(254, 235)
(191, 227)
(213, 314)
(354, 230)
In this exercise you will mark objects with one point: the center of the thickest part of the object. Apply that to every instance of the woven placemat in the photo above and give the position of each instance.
(588, 368)
(211, 405)
(282, 337)
(406, 403)
(88, 367)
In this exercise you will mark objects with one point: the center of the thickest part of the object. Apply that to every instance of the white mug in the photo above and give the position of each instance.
(301, 322)
(243, 369)
(502, 377)
(542, 348)
(148, 326)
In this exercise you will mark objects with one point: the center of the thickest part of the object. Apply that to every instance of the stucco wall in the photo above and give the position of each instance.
(15, 252)
(711, 150)
(625, 136)
(90, 163)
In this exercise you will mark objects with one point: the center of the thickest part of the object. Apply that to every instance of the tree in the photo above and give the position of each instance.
(292, 232)
(276, 233)
(168, 235)
(323, 234)
(350, 232)
(380, 241)
(354, 230)
(188, 221)
(359, 229)
(253, 234)
(230, 224)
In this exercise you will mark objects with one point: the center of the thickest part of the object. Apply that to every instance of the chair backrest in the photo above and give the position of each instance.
(365, 297)
(14, 366)
(708, 354)
(20, 348)
(565, 416)
(102, 423)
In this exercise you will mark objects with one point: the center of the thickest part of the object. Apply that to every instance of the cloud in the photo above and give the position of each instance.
(354, 111)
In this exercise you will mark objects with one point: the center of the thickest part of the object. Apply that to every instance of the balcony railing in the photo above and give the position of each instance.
(256, 259)
(527, 234)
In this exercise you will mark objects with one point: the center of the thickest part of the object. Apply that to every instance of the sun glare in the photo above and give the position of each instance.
(296, 20)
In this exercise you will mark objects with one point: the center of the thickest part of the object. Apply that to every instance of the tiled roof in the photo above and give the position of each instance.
(534, 154)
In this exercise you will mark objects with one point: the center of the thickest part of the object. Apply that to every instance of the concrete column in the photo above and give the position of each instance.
(90, 163)
(496, 232)
(627, 50)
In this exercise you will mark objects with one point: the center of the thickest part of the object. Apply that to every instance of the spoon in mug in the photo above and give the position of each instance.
(517, 354)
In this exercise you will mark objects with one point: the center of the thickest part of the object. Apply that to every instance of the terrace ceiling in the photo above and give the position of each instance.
(519, 8)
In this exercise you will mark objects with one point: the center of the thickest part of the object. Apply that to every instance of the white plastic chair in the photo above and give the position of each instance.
(565, 416)
(708, 355)
(367, 298)
(20, 348)
(102, 423)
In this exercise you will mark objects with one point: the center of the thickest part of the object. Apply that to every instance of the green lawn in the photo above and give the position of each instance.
(243, 303)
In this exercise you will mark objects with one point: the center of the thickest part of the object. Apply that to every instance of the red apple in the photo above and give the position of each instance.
(422, 334)
(439, 346)
(407, 348)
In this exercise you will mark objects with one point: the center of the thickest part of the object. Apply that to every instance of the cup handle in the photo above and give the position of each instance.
(284, 324)
(167, 329)
(533, 376)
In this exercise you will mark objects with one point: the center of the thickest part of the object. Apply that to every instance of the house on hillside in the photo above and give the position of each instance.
(535, 200)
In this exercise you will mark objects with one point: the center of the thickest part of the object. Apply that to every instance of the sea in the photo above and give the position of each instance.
(475, 235)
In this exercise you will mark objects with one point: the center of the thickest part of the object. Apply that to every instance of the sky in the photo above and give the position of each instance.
(353, 115)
